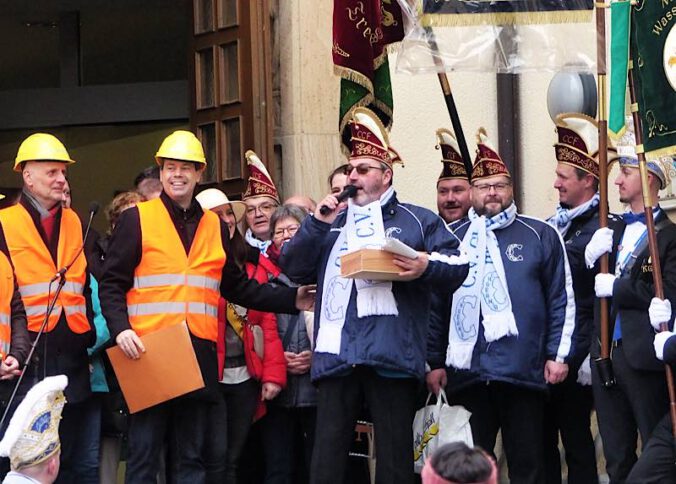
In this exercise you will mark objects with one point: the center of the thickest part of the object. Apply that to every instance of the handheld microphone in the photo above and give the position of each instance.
(348, 192)
(93, 208)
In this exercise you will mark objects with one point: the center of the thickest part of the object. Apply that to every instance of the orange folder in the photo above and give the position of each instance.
(168, 368)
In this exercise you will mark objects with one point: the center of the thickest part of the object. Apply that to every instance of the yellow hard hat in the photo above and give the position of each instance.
(41, 147)
(181, 145)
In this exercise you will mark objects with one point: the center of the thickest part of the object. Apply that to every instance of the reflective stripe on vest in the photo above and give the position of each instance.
(34, 268)
(169, 286)
(6, 293)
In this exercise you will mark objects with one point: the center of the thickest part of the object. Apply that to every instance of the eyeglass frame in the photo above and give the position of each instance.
(269, 208)
(362, 169)
(291, 230)
(486, 187)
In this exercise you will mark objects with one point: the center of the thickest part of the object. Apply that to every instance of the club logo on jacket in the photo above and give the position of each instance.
(511, 254)
(391, 231)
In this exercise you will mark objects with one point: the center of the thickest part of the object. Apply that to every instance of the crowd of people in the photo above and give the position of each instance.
(499, 309)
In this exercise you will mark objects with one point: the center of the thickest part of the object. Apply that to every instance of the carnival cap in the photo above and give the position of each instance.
(369, 138)
(260, 182)
(454, 168)
(32, 436)
(487, 162)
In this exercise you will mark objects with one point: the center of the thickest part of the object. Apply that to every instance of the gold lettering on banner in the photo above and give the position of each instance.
(353, 14)
(337, 50)
(664, 20)
(388, 17)
(361, 24)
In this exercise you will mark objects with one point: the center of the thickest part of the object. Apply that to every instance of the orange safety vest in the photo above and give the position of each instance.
(170, 287)
(6, 293)
(34, 268)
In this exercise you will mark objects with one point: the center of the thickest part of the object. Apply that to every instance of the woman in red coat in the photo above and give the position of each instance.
(250, 355)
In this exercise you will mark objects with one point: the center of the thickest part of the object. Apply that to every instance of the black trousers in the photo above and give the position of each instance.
(568, 411)
(634, 405)
(188, 424)
(657, 462)
(519, 412)
(392, 405)
(288, 437)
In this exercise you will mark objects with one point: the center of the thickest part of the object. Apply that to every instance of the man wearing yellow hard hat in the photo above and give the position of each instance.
(168, 263)
(42, 238)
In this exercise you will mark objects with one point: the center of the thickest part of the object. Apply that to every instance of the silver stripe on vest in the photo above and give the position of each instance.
(4, 318)
(145, 309)
(43, 288)
(70, 310)
(144, 282)
(41, 310)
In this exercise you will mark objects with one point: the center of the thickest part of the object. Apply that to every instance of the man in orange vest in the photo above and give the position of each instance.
(167, 263)
(14, 342)
(41, 237)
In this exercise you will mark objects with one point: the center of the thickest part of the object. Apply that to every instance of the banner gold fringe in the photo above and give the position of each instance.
(505, 18)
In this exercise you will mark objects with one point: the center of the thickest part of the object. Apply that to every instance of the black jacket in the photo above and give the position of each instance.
(632, 295)
(124, 254)
(576, 239)
(60, 351)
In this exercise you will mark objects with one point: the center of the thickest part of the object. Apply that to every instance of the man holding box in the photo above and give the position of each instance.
(370, 339)
(168, 262)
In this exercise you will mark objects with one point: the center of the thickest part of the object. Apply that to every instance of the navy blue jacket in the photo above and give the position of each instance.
(542, 302)
(670, 351)
(390, 343)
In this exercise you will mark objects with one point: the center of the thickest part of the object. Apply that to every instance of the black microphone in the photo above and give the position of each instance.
(93, 208)
(348, 192)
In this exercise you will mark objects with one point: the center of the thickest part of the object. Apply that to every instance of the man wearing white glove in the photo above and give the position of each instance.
(656, 463)
(639, 399)
(568, 409)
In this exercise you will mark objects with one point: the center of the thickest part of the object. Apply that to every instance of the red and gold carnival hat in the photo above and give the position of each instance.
(369, 138)
(487, 162)
(454, 168)
(578, 143)
(260, 183)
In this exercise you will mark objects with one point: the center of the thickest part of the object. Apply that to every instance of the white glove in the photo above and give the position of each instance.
(603, 285)
(600, 243)
(584, 373)
(659, 312)
(659, 342)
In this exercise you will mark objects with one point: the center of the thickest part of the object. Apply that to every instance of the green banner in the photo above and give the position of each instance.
(653, 52)
(619, 63)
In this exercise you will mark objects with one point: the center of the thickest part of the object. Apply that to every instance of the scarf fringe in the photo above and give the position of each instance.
(499, 325)
(376, 301)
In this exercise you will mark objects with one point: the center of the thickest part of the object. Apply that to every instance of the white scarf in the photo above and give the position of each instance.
(261, 245)
(363, 228)
(564, 216)
(483, 293)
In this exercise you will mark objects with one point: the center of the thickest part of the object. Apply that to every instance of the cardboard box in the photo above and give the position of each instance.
(374, 264)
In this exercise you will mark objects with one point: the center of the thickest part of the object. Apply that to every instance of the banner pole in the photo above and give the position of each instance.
(603, 362)
(450, 103)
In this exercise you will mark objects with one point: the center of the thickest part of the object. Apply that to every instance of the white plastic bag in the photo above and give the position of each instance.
(436, 425)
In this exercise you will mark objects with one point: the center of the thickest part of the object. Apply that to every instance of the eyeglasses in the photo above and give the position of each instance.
(486, 187)
(362, 169)
(291, 230)
(265, 209)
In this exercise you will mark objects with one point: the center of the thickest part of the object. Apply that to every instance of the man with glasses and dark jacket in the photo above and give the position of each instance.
(370, 335)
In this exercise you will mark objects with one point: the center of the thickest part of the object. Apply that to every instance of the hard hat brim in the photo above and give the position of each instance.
(18, 164)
